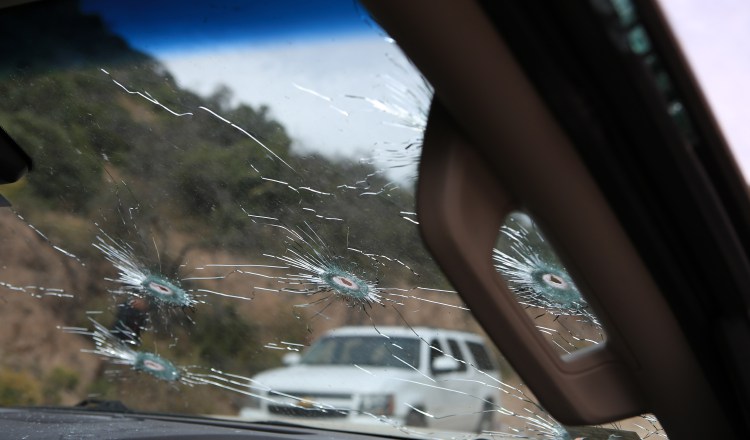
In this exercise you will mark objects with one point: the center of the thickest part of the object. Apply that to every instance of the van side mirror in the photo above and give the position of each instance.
(444, 364)
(290, 359)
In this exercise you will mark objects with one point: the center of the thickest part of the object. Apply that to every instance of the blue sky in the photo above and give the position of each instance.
(159, 26)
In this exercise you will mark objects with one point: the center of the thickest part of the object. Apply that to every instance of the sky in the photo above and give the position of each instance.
(311, 68)
(304, 65)
(159, 26)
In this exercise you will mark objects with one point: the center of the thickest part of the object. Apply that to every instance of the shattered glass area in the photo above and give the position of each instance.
(186, 252)
(542, 285)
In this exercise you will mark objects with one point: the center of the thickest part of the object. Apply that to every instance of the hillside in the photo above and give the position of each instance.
(121, 151)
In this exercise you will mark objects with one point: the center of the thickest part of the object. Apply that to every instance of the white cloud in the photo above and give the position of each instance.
(305, 84)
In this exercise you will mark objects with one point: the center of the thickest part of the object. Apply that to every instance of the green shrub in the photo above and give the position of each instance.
(62, 379)
(18, 388)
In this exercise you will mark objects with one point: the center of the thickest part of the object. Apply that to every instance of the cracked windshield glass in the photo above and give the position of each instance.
(542, 285)
(220, 221)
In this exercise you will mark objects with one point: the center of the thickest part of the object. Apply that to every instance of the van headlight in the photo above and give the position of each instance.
(377, 404)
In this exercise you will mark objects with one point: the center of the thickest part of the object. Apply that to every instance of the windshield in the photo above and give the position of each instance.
(217, 187)
(364, 350)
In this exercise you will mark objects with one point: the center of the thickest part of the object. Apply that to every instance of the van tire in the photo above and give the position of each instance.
(415, 419)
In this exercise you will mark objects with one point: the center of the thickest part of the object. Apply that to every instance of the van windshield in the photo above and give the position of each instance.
(375, 351)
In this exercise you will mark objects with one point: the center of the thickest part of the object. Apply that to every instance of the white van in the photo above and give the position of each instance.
(419, 376)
